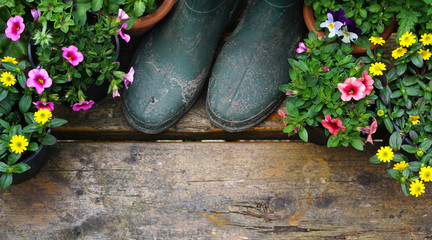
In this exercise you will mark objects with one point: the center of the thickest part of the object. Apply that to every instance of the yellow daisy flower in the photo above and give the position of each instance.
(417, 188)
(42, 115)
(407, 39)
(426, 174)
(377, 68)
(414, 119)
(7, 79)
(425, 54)
(385, 154)
(399, 52)
(426, 39)
(10, 59)
(18, 144)
(377, 40)
(400, 166)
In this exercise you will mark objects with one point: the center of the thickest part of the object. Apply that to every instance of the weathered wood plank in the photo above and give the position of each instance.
(211, 191)
(106, 121)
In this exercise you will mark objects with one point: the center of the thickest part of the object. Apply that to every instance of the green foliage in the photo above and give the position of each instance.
(313, 92)
(371, 16)
(17, 119)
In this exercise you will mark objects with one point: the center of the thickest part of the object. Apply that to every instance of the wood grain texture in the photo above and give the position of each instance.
(105, 120)
(263, 190)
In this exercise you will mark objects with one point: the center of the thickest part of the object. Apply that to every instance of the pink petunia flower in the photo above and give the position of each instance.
(351, 88)
(36, 13)
(369, 130)
(125, 36)
(39, 79)
(333, 125)
(83, 105)
(115, 92)
(368, 82)
(129, 77)
(72, 55)
(15, 26)
(281, 114)
(325, 68)
(302, 48)
(122, 15)
(44, 105)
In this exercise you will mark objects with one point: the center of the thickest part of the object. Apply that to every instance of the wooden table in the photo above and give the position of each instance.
(122, 184)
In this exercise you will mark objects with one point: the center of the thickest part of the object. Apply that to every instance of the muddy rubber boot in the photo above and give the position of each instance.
(244, 84)
(173, 61)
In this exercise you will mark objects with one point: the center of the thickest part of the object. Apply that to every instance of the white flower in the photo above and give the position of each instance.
(347, 37)
(332, 26)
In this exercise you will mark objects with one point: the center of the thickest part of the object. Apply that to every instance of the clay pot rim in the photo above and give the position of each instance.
(309, 19)
(154, 17)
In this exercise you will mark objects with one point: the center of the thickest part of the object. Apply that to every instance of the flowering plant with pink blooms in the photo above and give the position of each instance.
(330, 89)
(70, 53)
(24, 120)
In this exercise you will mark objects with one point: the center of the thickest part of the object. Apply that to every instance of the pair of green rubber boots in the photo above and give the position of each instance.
(174, 60)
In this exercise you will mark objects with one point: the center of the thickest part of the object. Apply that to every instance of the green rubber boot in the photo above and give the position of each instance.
(173, 61)
(244, 85)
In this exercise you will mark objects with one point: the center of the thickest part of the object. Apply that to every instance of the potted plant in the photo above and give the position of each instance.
(405, 105)
(24, 125)
(142, 14)
(72, 56)
(355, 21)
(332, 90)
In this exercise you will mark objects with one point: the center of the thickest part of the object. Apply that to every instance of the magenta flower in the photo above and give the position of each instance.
(351, 88)
(83, 105)
(122, 15)
(116, 92)
(36, 13)
(44, 105)
(333, 125)
(368, 82)
(15, 26)
(326, 68)
(302, 48)
(129, 77)
(282, 114)
(72, 55)
(39, 79)
(369, 130)
(125, 36)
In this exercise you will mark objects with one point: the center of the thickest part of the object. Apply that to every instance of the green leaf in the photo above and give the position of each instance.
(96, 5)
(414, 166)
(374, 159)
(417, 60)
(12, 158)
(48, 140)
(292, 110)
(3, 167)
(394, 174)
(56, 122)
(25, 103)
(388, 124)
(404, 187)
(33, 146)
(395, 141)
(357, 144)
(139, 8)
(406, 173)
(3, 93)
(409, 148)
(363, 42)
(303, 134)
(6, 180)
(20, 168)
(400, 69)
(31, 128)
(332, 142)
(399, 158)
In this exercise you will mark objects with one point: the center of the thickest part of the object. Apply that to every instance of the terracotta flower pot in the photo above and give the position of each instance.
(147, 22)
(309, 19)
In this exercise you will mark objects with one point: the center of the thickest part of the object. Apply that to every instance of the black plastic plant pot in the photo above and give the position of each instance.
(35, 160)
(317, 135)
